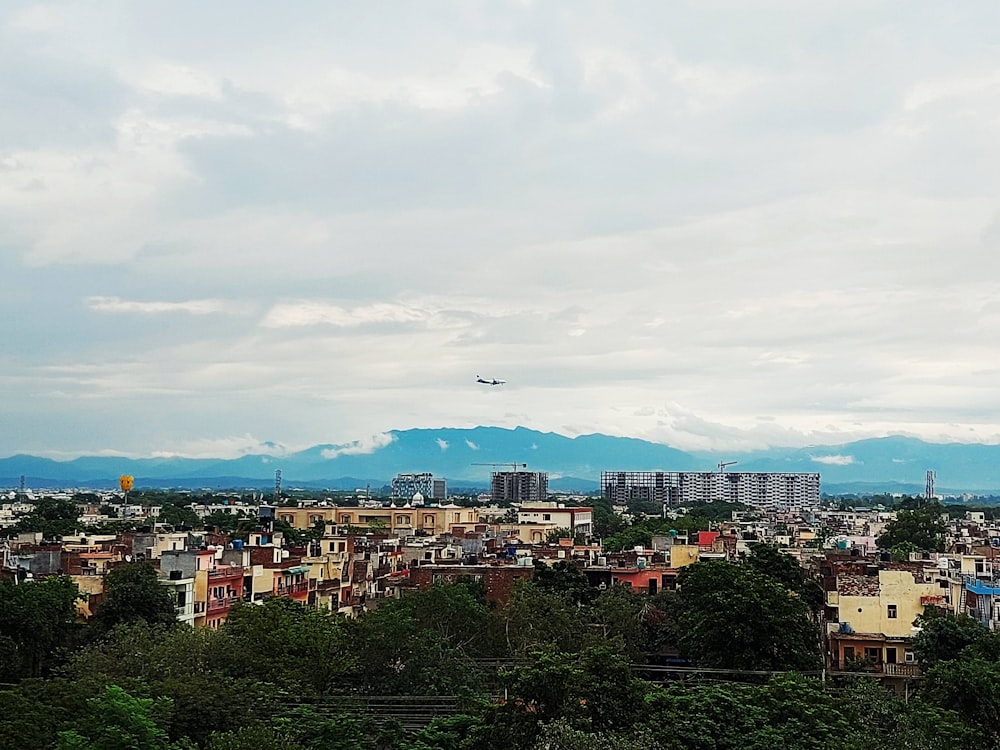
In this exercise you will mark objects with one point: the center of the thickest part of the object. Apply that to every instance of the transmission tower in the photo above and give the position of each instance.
(277, 486)
(929, 487)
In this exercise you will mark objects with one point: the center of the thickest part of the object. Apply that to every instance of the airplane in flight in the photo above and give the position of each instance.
(494, 381)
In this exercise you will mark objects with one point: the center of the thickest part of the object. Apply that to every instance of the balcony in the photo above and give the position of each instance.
(224, 574)
(185, 610)
(293, 588)
(902, 670)
(217, 604)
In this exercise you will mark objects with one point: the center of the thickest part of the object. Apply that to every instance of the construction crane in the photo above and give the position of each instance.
(724, 464)
(512, 464)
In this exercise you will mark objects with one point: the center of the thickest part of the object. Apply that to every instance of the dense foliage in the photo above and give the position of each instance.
(558, 666)
(921, 527)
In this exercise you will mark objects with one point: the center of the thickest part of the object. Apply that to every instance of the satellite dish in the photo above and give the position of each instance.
(128, 558)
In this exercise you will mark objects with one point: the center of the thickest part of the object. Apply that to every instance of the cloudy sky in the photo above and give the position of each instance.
(710, 224)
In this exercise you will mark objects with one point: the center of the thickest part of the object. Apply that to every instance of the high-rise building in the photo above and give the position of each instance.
(764, 490)
(405, 486)
(519, 486)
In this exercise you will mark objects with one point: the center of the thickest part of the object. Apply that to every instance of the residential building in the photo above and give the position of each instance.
(408, 486)
(519, 486)
(577, 520)
(762, 490)
(401, 521)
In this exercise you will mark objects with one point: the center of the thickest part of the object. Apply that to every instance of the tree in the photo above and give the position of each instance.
(971, 688)
(538, 620)
(178, 515)
(606, 521)
(593, 691)
(943, 636)
(565, 579)
(396, 656)
(785, 569)
(733, 616)
(133, 593)
(37, 622)
(300, 649)
(54, 517)
(881, 721)
(118, 720)
(458, 613)
(921, 527)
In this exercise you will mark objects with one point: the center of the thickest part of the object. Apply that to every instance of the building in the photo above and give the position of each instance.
(519, 486)
(763, 490)
(577, 520)
(406, 486)
(625, 487)
(870, 618)
(403, 521)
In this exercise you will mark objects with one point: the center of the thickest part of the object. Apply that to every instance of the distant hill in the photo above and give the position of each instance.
(466, 457)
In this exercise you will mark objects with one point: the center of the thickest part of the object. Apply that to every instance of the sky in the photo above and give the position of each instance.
(237, 226)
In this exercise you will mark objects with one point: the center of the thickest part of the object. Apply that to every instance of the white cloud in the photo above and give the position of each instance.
(442, 444)
(225, 447)
(833, 460)
(602, 207)
(360, 447)
(471, 445)
(320, 313)
(118, 305)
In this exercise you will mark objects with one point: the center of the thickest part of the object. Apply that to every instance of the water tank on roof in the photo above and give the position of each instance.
(237, 544)
(640, 562)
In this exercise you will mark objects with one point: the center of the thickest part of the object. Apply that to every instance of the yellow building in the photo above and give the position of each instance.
(403, 521)
(887, 605)
(683, 554)
(875, 617)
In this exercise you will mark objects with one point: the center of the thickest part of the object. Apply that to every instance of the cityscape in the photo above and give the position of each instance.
(868, 577)
(509, 375)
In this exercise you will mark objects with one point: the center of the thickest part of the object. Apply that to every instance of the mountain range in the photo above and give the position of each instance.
(467, 456)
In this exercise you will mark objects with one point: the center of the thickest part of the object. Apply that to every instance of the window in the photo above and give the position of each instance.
(908, 657)
(891, 614)
(848, 652)
(873, 654)
(890, 655)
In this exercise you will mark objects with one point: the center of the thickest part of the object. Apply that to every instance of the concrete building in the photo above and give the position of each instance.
(406, 486)
(870, 620)
(402, 521)
(519, 486)
(763, 490)
(577, 520)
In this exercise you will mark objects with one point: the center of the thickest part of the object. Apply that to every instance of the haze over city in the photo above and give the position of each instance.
(712, 225)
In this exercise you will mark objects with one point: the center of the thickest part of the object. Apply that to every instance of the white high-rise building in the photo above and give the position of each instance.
(764, 490)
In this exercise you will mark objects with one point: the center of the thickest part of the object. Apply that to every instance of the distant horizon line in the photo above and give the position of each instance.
(358, 447)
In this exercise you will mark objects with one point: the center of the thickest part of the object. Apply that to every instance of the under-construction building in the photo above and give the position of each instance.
(764, 490)
(405, 486)
(519, 486)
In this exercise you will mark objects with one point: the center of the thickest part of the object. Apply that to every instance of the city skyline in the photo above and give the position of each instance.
(230, 229)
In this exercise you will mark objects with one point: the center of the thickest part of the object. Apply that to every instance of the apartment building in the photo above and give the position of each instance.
(762, 490)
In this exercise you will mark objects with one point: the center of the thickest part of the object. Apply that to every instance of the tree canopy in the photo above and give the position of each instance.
(133, 593)
(733, 616)
(921, 527)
